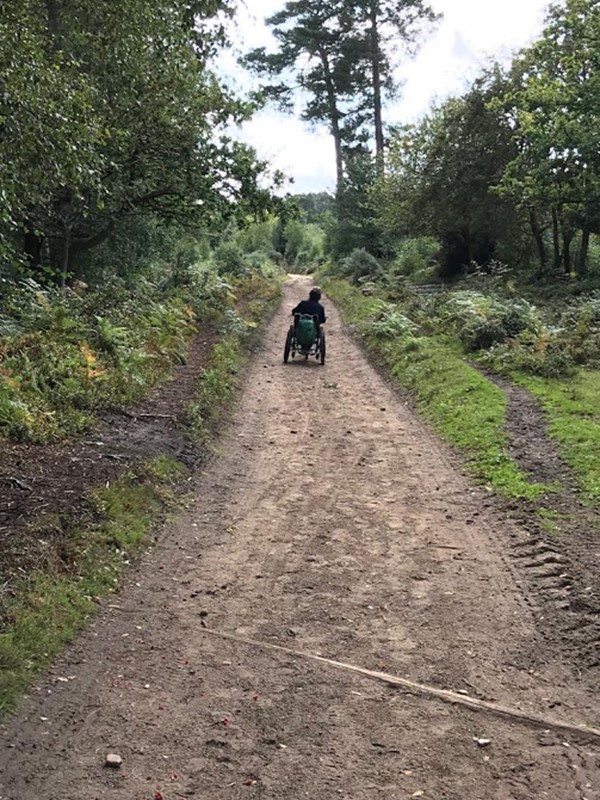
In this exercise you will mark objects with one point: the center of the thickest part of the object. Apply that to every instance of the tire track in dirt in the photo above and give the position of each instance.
(558, 556)
(331, 521)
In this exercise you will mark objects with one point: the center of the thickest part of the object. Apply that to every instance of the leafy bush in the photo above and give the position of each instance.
(360, 265)
(66, 355)
(425, 275)
(545, 357)
(482, 334)
(481, 321)
(258, 237)
(392, 323)
(231, 260)
(419, 253)
(304, 244)
(579, 330)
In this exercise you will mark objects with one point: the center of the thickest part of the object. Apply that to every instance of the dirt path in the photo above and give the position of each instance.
(331, 522)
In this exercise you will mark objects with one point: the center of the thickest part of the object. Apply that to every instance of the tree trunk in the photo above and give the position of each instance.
(583, 253)
(66, 254)
(567, 238)
(538, 238)
(334, 119)
(556, 239)
(80, 245)
(376, 69)
(53, 19)
(32, 247)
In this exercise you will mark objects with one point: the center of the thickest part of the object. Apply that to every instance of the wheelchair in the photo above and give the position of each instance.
(305, 337)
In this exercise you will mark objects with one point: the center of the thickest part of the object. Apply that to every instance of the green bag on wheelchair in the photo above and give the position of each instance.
(306, 333)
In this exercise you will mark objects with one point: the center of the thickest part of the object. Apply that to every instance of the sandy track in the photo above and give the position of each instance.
(333, 522)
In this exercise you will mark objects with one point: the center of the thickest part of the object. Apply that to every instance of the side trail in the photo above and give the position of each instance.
(331, 524)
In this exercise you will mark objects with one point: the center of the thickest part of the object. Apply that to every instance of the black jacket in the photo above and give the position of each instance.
(312, 307)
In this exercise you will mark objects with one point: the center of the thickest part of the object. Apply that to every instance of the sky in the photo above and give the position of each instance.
(471, 33)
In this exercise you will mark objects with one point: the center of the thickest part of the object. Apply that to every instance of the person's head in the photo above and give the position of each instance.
(315, 294)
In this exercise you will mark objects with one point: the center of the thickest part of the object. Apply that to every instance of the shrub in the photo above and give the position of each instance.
(231, 260)
(360, 265)
(391, 323)
(420, 253)
(481, 321)
(481, 334)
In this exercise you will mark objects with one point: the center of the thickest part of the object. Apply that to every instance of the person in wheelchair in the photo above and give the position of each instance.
(313, 307)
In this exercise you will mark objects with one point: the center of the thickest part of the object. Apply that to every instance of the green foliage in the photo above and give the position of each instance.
(65, 356)
(314, 205)
(440, 181)
(231, 259)
(413, 255)
(130, 83)
(258, 237)
(340, 58)
(464, 406)
(481, 321)
(579, 330)
(551, 105)
(572, 409)
(390, 323)
(303, 245)
(46, 608)
(359, 266)
(356, 223)
(71, 363)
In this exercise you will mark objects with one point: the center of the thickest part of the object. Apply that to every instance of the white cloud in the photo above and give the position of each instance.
(300, 151)
(472, 33)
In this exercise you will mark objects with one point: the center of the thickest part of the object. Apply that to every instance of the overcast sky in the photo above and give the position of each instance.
(471, 33)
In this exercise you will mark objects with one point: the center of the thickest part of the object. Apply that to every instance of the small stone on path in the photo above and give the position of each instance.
(113, 760)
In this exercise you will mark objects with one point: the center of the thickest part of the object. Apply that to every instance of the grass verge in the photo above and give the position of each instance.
(574, 416)
(44, 605)
(44, 609)
(464, 407)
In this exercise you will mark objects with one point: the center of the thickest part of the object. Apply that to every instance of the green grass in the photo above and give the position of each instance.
(47, 608)
(574, 415)
(216, 386)
(465, 408)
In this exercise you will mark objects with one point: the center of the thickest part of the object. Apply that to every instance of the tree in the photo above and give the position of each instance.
(552, 107)
(314, 205)
(112, 112)
(379, 29)
(341, 54)
(356, 224)
(441, 178)
(311, 56)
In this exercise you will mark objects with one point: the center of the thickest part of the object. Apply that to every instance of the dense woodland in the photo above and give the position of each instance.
(508, 172)
(130, 211)
(116, 142)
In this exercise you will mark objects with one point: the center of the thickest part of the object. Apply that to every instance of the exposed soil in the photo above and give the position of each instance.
(332, 522)
(559, 553)
(43, 487)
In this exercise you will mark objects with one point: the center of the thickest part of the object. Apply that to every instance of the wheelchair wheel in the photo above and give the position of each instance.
(288, 345)
(322, 347)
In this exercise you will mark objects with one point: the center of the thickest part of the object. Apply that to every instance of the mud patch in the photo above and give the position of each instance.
(559, 556)
(529, 443)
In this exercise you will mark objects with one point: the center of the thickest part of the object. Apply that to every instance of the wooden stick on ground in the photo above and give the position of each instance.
(442, 694)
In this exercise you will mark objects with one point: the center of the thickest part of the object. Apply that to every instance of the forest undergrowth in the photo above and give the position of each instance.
(445, 346)
(63, 367)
